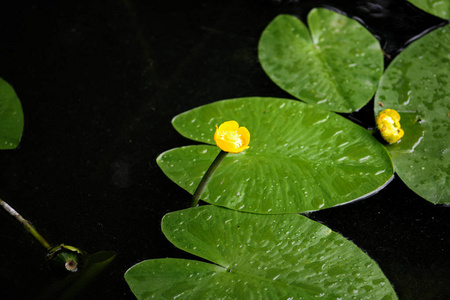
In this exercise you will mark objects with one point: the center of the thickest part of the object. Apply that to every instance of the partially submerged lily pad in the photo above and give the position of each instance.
(301, 158)
(11, 117)
(417, 85)
(438, 8)
(257, 257)
(75, 286)
(336, 65)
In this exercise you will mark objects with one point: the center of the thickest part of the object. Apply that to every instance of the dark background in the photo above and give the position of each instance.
(99, 83)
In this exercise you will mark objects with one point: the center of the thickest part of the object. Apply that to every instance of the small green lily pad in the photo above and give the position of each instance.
(301, 158)
(336, 65)
(417, 85)
(257, 257)
(11, 117)
(438, 8)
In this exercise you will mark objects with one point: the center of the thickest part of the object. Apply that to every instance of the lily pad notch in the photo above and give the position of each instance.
(301, 158)
(336, 64)
(257, 256)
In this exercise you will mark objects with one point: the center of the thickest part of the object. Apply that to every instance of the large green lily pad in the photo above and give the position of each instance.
(336, 65)
(417, 85)
(301, 158)
(257, 257)
(11, 117)
(439, 8)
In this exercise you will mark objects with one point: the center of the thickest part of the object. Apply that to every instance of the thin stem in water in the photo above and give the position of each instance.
(209, 173)
(26, 224)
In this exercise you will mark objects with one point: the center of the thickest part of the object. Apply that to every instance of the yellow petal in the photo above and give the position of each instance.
(231, 138)
(229, 125)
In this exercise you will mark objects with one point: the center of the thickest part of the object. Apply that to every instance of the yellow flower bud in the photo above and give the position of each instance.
(231, 138)
(388, 122)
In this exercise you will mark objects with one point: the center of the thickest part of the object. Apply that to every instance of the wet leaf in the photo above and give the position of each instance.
(301, 158)
(257, 257)
(11, 117)
(438, 8)
(417, 85)
(336, 65)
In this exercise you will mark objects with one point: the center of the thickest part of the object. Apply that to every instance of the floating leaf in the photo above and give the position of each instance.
(439, 8)
(11, 117)
(301, 158)
(257, 257)
(337, 66)
(417, 85)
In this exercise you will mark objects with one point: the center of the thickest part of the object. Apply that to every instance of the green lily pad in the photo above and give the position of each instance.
(438, 8)
(337, 65)
(417, 85)
(301, 158)
(11, 117)
(257, 257)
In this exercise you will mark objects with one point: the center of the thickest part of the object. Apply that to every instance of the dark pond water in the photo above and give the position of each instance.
(99, 82)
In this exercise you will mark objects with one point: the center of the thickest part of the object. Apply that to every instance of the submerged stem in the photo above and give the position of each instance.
(209, 173)
(26, 224)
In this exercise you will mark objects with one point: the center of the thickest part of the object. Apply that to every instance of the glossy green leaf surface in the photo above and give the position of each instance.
(11, 117)
(301, 158)
(336, 65)
(417, 85)
(439, 8)
(257, 257)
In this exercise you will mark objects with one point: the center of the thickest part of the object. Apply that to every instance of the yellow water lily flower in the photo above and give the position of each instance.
(388, 122)
(231, 138)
